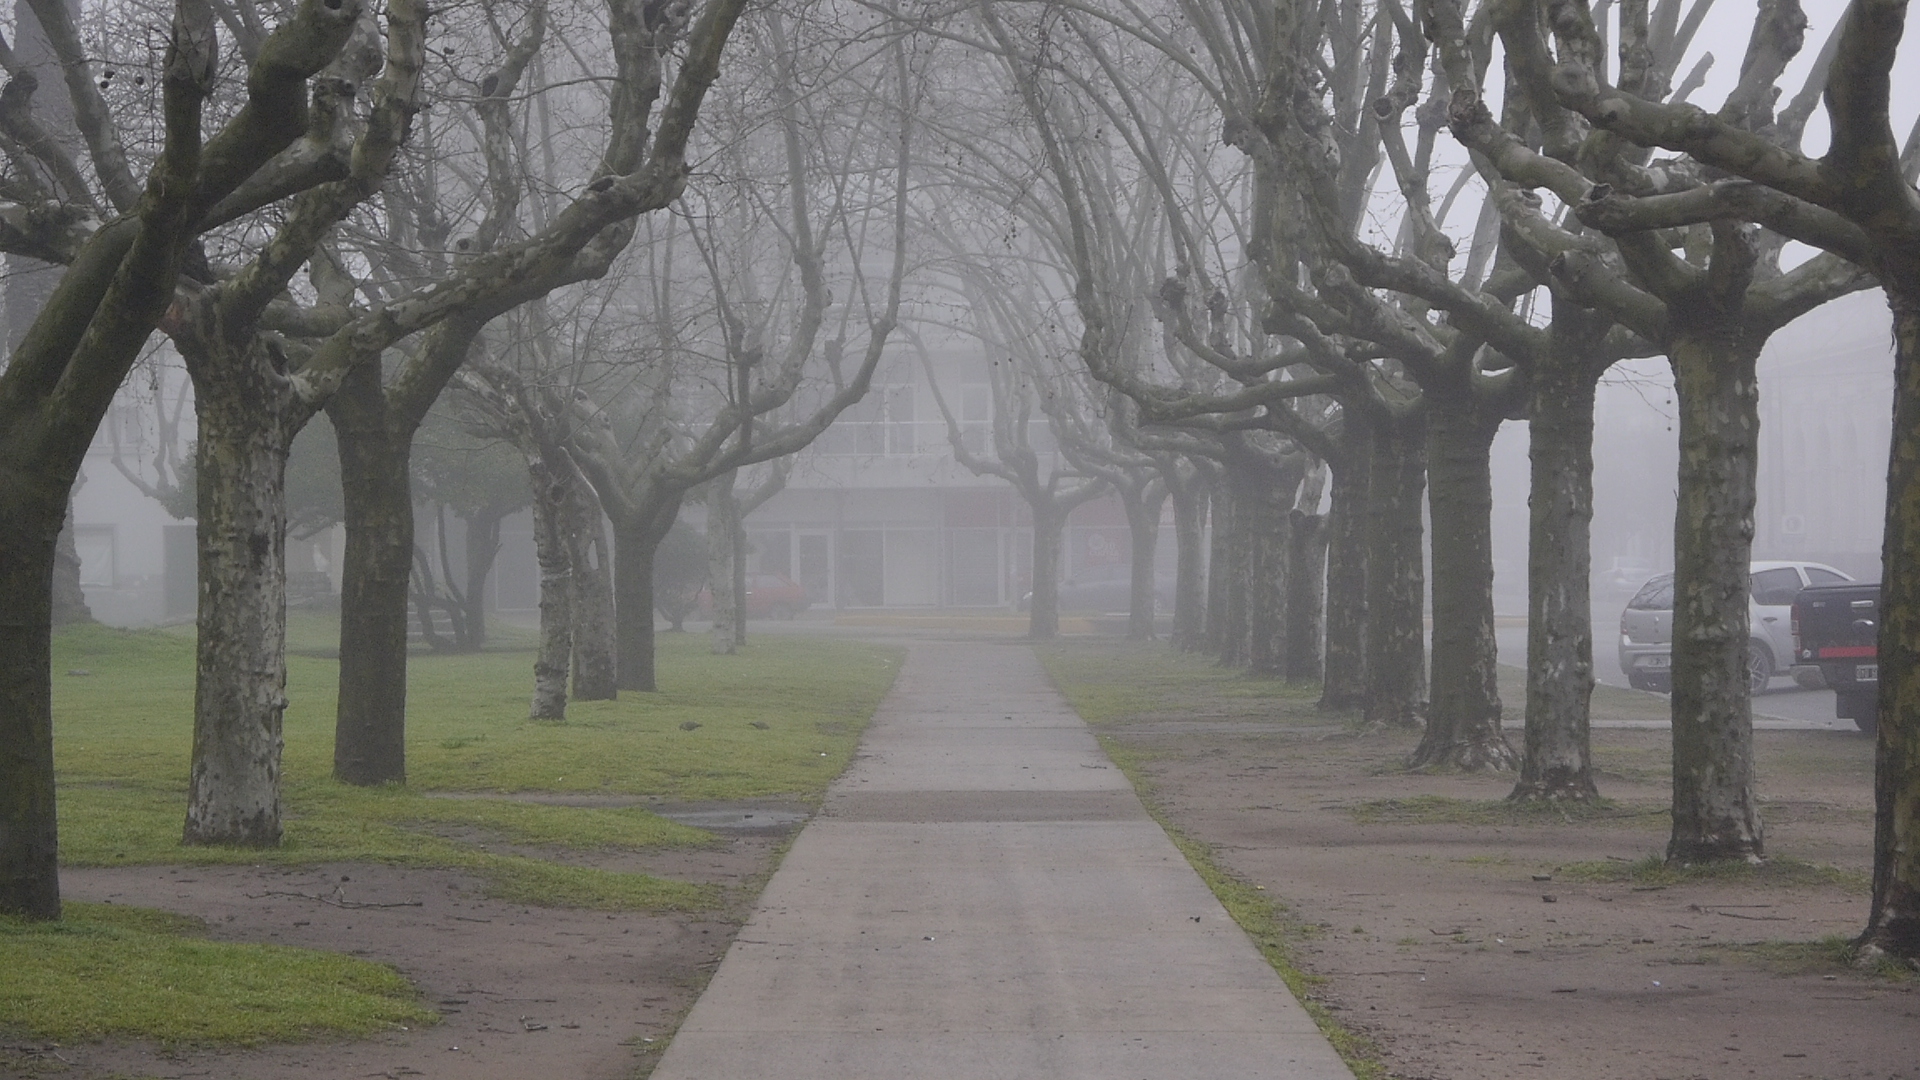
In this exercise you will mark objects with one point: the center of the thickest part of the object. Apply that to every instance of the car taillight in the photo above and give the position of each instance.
(1793, 622)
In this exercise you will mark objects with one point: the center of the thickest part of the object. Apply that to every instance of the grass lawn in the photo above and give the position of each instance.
(110, 970)
(1109, 682)
(780, 720)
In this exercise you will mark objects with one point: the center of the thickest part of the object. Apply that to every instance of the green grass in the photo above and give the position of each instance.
(779, 720)
(123, 737)
(105, 970)
(1654, 871)
(1110, 682)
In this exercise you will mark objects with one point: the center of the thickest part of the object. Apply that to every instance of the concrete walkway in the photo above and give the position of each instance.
(983, 897)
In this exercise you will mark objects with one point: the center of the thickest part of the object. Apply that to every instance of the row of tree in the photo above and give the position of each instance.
(1287, 317)
(350, 209)
(1295, 315)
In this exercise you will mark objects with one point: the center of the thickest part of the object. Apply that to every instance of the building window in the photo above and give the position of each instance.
(882, 423)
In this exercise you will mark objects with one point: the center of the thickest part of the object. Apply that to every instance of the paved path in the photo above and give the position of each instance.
(983, 897)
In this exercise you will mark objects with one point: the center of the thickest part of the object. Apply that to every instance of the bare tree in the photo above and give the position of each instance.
(679, 427)
(1708, 298)
(124, 245)
(1857, 201)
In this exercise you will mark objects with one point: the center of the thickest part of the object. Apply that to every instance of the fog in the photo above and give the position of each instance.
(1826, 391)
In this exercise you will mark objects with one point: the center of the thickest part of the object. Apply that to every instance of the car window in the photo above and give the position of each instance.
(1655, 595)
(1825, 577)
(1776, 588)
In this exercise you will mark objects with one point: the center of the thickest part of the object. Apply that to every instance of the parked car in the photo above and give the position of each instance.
(1646, 626)
(1837, 628)
(770, 595)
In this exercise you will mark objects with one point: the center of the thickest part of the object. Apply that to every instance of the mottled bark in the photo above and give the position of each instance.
(1893, 922)
(1396, 603)
(552, 481)
(1043, 612)
(1715, 815)
(1143, 528)
(1306, 595)
(369, 735)
(1190, 583)
(233, 786)
(1463, 720)
(596, 665)
(1263, 494)
(1557, 761)
(1268, 541)
(1343, 685)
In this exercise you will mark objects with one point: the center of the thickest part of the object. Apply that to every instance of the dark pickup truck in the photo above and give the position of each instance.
(1836, 627)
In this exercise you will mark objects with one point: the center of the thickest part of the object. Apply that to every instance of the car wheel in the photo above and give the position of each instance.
(781, 611)
(1759, 668)
(1639, 682)
(1868, 721)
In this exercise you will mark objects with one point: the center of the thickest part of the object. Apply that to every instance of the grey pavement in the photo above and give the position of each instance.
(1784, 707)
(983, 897)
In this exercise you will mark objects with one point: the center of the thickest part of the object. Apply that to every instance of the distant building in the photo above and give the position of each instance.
(877, 513)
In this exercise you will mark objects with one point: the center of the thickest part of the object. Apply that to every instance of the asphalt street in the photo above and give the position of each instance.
(1784, 706)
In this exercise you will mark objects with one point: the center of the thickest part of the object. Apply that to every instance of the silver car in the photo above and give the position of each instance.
(1646, 626)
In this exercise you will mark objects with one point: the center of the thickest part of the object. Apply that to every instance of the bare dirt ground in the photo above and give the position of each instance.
(1443, 943)
(525, 993)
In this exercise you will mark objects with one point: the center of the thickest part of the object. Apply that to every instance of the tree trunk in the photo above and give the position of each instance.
(370, 721)
(720, 579)
(32, 500)
(1043, 615)
(636, 539)
(1236, 620)
(1190, 584)
(69, 598)
(1343, 686)
(1893, 922)
(240, 689)
(1263, 495)
(553, 522)
(737, 561)
(1396, 630)
(1306, 595)
(483, 547)
(1463, 723)
(633, 606)
(1219, 617)
(1143, 528)
(1558, 759)
(596, 665)
(1714, 812)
